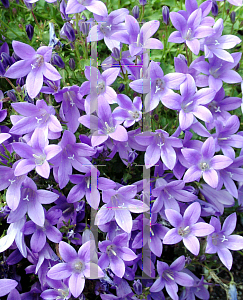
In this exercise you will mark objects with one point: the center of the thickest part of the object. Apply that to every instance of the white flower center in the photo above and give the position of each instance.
(39, 159)
(204, 166)
(184, 231)
(38, 62)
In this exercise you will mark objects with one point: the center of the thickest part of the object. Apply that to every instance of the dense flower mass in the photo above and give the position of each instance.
(120, 149)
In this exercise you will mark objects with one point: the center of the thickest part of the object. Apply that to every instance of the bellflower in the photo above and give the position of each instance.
(40, 233)
(108, 25)
(205, 163)
(159, 145)
(6, 286)
(218, 70)
(158, 85)
(35, 116)
(168, 193)
(96, 7)
(76, 266)
(34, 64)
(234, 2)
(35, 156)
(59, 290)
(191, 103)
(138, 39)
(189, 31)
(105, 125)
(187, 228)
(119, 204)
(71, 155)
(221, 240)
(114, 253)
(216, 43)
(131, 109)
(31, 202)
(83, 187)
(171, 276)
(102, 92)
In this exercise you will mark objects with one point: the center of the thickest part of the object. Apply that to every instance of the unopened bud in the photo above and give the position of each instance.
(166, 15)
(57, 61)
(2, 69)
(156, 117)
(84, 27)
(135, 12)
(215, 8)
(116, 53)
(6, 59)
(20, 81)
(14, 10)
(72, 63)
(182, 57)
(30, 31)
(142, 2)
(69, 32)
(236, 68)
(5, 3)
(232, 17)
(11, 95)
(121, 87)
(137, 285)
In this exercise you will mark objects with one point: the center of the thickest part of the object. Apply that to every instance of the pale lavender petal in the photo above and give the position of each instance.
(6, 285)
(172, 237)
(208, 148)
(124, 219)
(192, 244)
(152, 155)
(19, 69)
(201, 229)
(229, 224)
(76, 284)
(43, 170)
(120, 134)
(23, 50)
(36, 212)
(34, 82)
(93, 271)
(226, 257)
(211, 177)
(59, 271)
(203, 113)
(234, 242)
(183, 279)
(193, 173)
(38, 240)
(24, 166)
(173, 217)
(117, 266)
(67, 252)
(194, 46)
(219, 162)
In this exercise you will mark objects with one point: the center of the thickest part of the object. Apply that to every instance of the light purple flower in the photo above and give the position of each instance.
(171, 276)
(187, 228)
(6, 286)
(34, 64)
(96, 7)
(76, 266)
(205, 163)
(221, 240)
(114, 253)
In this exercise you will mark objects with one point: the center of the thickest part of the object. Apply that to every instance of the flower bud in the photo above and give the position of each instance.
(142, 2)
(28, 5)
(215, 8)
(132, 155)
(121, 87)
(232, 17)
(166, 15)
(69, 32)
(2, 69)
(72, 63)
(6, 60)
(116, 53)
(14, 11)
(20, 81)
(135, 12)
(236, 68)
(57, 60)
(84, 27)
(30, 31)
(12, 96)
(5, 3)
(137, 285)
(156, 117)
(15, 57)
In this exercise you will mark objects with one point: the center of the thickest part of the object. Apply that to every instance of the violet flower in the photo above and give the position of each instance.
(215, 43)
(189, 31)
(34, 64)
(138, 39)
(76, 266)
(35, 156)
(96, 7)
(221, 240)
(114, 253)
(119, 204)
(205, 163)
(171, 276)
(6, 286)
(187, 228)
(191, 103)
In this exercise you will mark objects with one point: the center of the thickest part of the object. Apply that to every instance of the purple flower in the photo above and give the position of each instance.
(35, 116)
(215, 43)
(6, 286)
(119, 204)
(114, 253)
(205, 163)
(59, 290)
(221, 240)
(189, 31)
(170, 276)
(34, 64)
(96, 7)
(187, 228)
(76, 266)
(218, 70)
(159, 144)
(105, 125)
(137, 38)
(35, 156)
(108, 25)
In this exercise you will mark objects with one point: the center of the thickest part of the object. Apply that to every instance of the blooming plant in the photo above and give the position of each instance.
(120, 149)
